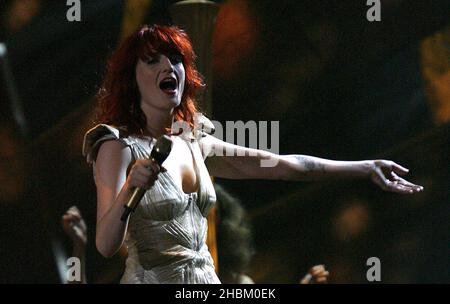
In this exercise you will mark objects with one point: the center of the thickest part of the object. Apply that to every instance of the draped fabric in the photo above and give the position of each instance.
(166, 237)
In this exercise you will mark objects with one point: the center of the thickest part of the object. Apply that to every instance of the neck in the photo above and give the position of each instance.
(157, 119)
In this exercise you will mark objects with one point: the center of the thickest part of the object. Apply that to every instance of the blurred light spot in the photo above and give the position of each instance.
(435, 60)
(234, 37)
(20, 13)
(352, 221)
(133, 16)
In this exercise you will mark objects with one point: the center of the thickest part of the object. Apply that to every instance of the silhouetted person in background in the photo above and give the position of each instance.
(234, 243)
(75, 228)
(234, 239)
(151, 83)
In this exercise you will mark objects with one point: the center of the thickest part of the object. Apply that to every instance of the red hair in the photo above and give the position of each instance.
(119, 96)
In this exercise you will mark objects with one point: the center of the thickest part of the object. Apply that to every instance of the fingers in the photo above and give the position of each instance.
(396, 168)
(73, 213)
(146, 167)
(74, 210)
(322, 280)
(317, 269)
(399, 169)
(404, 182)
(396, 185)
(70, 218)
(386, 184)
(74, 225)
(319, 274)
(144, 174)
(316, 275)
(143, 181)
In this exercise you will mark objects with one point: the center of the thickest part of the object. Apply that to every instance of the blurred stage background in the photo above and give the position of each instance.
(341, 87)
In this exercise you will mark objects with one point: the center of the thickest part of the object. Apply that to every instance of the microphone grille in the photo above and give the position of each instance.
(162, 149)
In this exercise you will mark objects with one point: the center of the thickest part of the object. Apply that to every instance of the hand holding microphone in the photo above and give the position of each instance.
(144, 173)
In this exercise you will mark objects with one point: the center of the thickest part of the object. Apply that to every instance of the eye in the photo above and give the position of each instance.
(175, 58)
(151, 60)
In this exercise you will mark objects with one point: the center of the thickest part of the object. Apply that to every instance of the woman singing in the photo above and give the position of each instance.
(151, 82)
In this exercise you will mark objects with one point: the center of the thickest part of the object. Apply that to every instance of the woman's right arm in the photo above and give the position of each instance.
(114, 189)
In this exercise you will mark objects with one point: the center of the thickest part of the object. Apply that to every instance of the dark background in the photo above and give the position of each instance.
(341, 87)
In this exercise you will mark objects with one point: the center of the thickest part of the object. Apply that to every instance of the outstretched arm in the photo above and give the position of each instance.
(236, 162)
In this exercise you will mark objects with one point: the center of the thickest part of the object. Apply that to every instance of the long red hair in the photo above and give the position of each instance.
(119, 97)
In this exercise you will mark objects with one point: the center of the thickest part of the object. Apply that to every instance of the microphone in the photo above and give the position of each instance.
(159, 153)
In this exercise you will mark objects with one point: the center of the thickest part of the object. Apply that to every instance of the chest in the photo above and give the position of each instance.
(181, 166)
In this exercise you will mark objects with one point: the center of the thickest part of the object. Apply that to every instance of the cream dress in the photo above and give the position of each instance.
(166, 237)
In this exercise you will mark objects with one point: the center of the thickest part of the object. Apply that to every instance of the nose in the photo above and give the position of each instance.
(166, 64)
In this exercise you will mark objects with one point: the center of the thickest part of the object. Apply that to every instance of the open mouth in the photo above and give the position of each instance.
(168, 85)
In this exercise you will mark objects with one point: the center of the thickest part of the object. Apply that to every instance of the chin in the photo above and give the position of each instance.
(175, 101)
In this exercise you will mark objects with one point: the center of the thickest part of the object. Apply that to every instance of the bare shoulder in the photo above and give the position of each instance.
(113, 156)
(112, 149)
